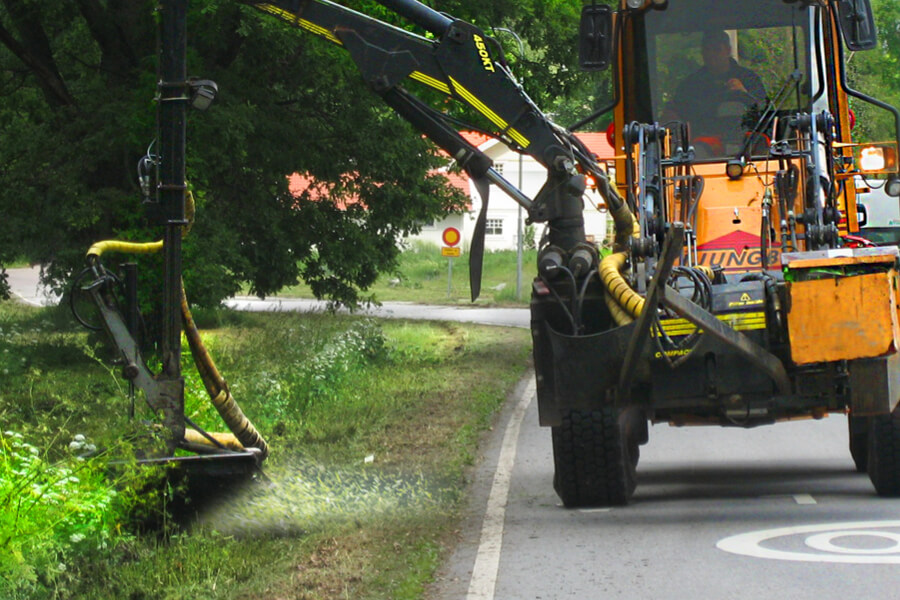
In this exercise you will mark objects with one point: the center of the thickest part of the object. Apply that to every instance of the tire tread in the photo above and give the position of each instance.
(592, 466)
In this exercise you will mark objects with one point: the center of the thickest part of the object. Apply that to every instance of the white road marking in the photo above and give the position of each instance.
(823, 542)
(487, 559)
(591, 510)
(26, 300)
(798, 498)
(750, 544)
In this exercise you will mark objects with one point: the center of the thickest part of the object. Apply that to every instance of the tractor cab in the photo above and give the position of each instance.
(717, 67)
(733, 117)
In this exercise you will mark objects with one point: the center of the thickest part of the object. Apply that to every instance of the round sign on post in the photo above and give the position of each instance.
(451, 236)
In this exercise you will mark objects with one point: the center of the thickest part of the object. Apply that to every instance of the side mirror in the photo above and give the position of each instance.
(862, 215)
(595, 37)
(857, 24)
(892, 186)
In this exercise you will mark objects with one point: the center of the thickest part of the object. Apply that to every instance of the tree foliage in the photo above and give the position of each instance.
(77, 82)
(877, 73)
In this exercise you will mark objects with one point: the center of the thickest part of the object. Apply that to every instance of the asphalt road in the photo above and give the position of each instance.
(25, 286)
(506, 317)
(772, 512)
(698, 488)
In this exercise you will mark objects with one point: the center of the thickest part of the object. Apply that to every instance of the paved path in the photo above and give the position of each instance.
(25, 286)
(507, 317)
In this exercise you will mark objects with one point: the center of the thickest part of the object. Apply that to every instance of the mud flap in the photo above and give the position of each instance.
(575, 373)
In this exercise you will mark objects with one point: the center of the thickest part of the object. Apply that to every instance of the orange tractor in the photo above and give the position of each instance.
(730, 297)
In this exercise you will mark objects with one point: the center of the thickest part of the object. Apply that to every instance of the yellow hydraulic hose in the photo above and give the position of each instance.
(623, 302)
(245, 435)
(617, 312)
(706, 271)
(217, 387)
(124, 247)
(626, 226)
(618, 289)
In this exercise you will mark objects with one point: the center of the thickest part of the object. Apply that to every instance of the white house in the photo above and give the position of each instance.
(503, 212)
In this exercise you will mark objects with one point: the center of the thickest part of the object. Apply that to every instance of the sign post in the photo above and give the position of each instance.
(451, 238)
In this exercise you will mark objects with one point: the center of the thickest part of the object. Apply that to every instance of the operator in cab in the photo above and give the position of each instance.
(714, 99)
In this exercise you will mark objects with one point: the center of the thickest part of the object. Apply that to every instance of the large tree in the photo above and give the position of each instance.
(77, 82)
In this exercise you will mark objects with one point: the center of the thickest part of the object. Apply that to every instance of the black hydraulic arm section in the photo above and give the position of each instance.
(459, 62)
(462, 62)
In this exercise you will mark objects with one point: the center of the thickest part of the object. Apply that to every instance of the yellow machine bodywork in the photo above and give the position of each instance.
(843, 318)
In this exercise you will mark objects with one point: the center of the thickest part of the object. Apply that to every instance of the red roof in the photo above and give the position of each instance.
(475, 138)
(596, 143)
(459, 180)
(299, 183)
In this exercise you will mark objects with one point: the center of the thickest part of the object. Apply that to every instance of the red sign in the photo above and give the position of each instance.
(737, 251)
(451, 236)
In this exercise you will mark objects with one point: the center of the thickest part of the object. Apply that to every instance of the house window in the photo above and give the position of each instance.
(499, 168)
(493, 227)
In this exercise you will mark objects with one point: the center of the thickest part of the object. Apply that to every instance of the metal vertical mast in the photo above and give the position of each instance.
(173, 98)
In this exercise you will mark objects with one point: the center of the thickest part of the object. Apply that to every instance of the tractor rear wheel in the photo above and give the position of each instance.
(595, 460)
(884, 454)
(859, 442)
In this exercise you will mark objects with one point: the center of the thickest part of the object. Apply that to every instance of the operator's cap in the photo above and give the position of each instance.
(714, 38)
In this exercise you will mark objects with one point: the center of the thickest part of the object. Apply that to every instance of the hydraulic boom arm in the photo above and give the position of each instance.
(460, 62)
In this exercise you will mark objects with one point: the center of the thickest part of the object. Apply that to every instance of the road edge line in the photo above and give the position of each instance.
(487, 558)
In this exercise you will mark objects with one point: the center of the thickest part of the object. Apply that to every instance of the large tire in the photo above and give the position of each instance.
(884, 454)
(595, 462)
(858, 428)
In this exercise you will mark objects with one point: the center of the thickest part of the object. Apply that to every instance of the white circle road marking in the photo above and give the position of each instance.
(822, 541)
(750, 544)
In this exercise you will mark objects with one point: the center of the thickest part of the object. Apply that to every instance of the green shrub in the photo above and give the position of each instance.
(50, 513)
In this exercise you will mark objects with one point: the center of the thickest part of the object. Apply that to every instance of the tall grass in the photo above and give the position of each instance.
(422, 276)
(371, 425)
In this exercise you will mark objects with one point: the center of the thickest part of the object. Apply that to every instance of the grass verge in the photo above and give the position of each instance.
(422, 277)
(371, 426)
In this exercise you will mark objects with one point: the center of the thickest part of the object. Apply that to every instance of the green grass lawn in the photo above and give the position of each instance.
(371, 426)
(423, 273)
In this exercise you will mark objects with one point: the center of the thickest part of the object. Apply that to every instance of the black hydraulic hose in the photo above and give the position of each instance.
(573, 307)
(562, 305)
(579, 305)
(697, 182)
(424, 16)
